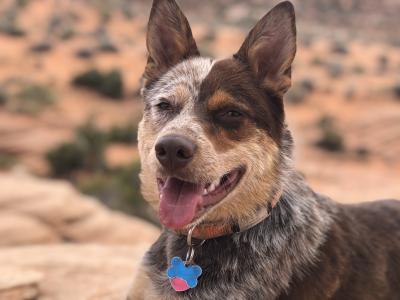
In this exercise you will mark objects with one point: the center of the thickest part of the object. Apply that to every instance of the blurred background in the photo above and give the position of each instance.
(69, 107)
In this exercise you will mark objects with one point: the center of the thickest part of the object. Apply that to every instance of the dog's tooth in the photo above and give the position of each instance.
(211, 187)
(216, 183)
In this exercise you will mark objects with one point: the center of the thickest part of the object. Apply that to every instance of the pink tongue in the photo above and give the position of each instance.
(178, 202)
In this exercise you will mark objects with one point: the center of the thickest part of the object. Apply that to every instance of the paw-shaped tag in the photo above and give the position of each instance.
(182, 277)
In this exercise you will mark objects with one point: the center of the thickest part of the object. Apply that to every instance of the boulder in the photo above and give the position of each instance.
(68, 271)
(36, 211)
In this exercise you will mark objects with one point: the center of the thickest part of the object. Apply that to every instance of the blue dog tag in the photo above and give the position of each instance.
(182, 276)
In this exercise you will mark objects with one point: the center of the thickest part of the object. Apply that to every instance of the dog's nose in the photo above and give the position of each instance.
(175, 151)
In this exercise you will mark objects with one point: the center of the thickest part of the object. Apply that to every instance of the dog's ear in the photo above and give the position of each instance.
(270, 47)
(169, 39)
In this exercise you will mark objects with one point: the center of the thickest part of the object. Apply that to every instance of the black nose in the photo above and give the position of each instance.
(174, 151)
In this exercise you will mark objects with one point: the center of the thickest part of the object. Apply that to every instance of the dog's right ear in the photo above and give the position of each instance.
(169, 39)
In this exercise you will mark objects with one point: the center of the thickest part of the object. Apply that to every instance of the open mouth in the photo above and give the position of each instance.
(181, 202)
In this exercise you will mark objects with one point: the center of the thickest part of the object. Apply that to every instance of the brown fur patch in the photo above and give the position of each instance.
(229, 80)
(218, 100)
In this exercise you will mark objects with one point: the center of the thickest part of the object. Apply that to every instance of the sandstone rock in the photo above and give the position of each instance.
(68, 271)
(19, 284)
(36, 210)
(18, 229)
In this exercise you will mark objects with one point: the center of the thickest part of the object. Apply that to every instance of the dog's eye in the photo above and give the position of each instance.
(230, 115)
(230, 118)
(233, 114)
(164, 105)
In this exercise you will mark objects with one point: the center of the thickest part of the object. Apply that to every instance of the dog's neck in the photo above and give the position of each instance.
(258, 263)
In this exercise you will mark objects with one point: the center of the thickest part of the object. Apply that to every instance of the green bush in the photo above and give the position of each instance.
(85, 152)
(362, 152)
(123, 134)
(358, 69)
(383, 63)
(42, 47)
(300, 90)
(396, 90)
(119, 189)
(9, 20)
(7, 161)
(112, 85)
(334, 69)
(65, 159)
(331, 140)
(339, 47)
(3, 97)
(108, 84)
(93, 142)
(330, 137)
(67, 33)
(33, 98)
(90, 79)
(12, 30)
(317, 61)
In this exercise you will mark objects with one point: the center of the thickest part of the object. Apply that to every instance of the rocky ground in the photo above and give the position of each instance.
(58, 244)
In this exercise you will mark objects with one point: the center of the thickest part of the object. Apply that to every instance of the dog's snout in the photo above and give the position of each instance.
(175, 151)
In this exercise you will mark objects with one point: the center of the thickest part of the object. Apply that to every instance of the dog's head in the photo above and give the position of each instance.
(211, 135)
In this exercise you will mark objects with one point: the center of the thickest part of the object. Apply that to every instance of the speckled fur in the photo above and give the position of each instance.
(258, 263)
(309, 248)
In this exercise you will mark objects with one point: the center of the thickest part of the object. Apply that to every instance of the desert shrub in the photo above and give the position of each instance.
(67, 33)
(93, 142)
(7, 161)
(105, 45)
(108, 84)
(362, 152)
(300, 90)
(33, 98)
(3, 96)
(330, 137)
(307, 84)
(296, 95)
(317, 61)
(350, 92)
(65, 159)
(358, 69)
(41, 47)
(85, 152)
(90, 79)
(123, 133)
(12, 30)
(334, 69)
(383, 63)
(112, 85)
(119, 189)
(330, 140)
(339, 47)
(396, 90)
(84, 53)
(8, 20)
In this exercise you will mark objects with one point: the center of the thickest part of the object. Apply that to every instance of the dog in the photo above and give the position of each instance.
(216, 165)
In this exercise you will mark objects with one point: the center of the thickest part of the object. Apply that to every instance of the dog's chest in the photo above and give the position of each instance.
(230, 271)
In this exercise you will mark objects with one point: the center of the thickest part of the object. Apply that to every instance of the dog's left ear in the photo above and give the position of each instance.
(169, 39)
(270, 48)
